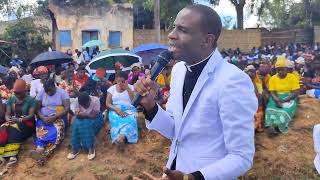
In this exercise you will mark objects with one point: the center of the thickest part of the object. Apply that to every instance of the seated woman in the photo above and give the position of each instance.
(19, 123)
(53, 106)
(6, 90)
(41, 74)
(86, 125)
(258, 116)
(122, 115)
(312, 79)
(284, 89)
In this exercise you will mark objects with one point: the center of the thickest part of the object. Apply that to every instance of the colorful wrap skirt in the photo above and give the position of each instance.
(280, 117)
(124, 126)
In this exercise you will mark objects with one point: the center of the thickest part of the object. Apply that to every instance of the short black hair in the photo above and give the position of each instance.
(49, 84)
(83, 98)
(210, 20)
(122, 74)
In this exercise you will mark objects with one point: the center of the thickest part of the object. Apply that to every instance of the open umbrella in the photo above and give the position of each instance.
(107, 59)
(51, 58)
(148, 51)
(93, 43)
(3, 69)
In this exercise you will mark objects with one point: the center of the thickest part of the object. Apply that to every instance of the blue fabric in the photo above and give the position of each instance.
(84, 132)
(126, 126)
(317, 93)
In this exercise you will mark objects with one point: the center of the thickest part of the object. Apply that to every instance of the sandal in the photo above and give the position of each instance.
(72, 156)
(92, 156)
(12, 161)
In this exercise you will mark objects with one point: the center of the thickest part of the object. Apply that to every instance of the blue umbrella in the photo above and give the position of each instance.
(148, 51)
(16, 62)
(3, 69)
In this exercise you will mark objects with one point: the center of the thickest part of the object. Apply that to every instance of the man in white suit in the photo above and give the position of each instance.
(210, 111)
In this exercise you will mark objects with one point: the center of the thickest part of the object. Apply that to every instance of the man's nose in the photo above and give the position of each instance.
(173, 34)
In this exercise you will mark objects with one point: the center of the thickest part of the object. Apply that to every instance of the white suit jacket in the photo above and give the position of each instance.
(215, 132)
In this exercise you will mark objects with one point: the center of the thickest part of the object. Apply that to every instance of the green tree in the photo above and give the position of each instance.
(28, 38)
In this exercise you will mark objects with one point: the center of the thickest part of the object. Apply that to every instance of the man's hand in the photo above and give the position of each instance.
(148, 89)
(170, 175)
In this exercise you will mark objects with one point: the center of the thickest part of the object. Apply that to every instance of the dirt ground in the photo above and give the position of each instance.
(288, 156)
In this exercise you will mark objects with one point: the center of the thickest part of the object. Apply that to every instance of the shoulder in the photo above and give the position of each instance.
(111, 89)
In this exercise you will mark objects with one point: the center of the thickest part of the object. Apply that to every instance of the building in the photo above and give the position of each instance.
(74, 26)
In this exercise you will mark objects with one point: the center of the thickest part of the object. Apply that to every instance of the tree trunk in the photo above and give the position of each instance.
(239, 9)
(157, 20)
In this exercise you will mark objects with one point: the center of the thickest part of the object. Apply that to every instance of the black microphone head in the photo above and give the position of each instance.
(165, 55)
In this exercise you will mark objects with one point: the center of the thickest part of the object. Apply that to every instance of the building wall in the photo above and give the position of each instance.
(317, 34)
(244, 39)
(103, 19)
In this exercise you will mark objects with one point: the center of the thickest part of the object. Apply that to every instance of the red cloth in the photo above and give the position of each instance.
(83, 80)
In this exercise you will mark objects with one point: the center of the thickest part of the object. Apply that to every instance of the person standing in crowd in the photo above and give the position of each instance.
(135, 73)
(284, 89)
(122, 115)
(86, 55)
(98, 85)
(210, 111)
(19, 125)
(86, 125)
(117, 67)
(28, 76)
(41, 74)
(53, 106)
(80, 76)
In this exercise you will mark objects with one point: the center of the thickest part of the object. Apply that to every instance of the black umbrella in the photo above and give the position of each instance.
(3, 70)
(51, 58)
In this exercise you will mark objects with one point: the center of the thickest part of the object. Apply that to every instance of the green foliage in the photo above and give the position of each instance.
(290, 13)
(29, 39)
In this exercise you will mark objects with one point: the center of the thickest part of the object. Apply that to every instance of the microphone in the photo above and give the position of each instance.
(162, 61)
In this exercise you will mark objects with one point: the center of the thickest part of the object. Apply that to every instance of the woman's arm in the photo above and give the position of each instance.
(8, 113)
(66, 105)
(309, 84)
(109, 103)
(291, 96)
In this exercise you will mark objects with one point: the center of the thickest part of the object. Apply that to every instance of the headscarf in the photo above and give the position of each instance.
(135, 65)
(101, 72)
(248, 68)
(15, 70)
(300, 60)
(40, 70)
(20, 86)
(290, 64)
(281, 62)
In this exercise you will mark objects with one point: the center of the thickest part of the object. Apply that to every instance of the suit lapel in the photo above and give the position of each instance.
(179, 91)
(215, 59)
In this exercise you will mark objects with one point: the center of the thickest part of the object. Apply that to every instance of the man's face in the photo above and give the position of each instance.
(187, 38)
(282, 71)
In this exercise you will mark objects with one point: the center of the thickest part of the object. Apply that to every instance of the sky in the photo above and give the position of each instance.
(225, 8)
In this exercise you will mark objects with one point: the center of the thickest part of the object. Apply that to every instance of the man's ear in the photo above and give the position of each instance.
(209, 40)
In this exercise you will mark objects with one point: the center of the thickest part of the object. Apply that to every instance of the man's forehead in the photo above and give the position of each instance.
(187, 18)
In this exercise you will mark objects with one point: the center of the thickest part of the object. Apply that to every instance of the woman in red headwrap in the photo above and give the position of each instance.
(41, 74)
(19, 123)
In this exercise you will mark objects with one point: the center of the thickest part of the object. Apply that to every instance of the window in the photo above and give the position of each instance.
(89, 35)
(65, 38)
(114, 39)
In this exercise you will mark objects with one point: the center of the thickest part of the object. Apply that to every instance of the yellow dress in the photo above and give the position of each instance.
(161, 81)
(286, 85)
